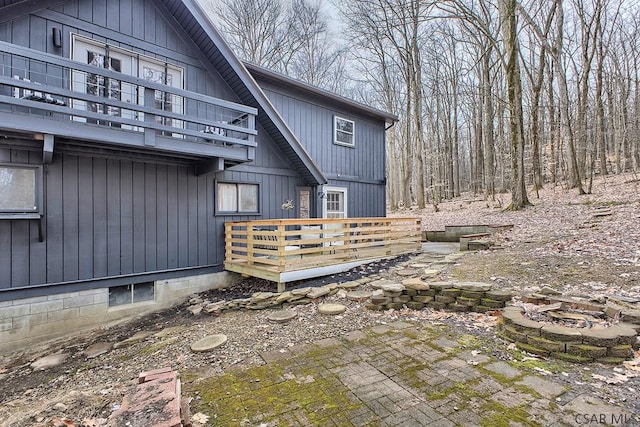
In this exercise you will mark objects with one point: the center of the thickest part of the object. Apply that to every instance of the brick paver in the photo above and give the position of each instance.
(392, 375)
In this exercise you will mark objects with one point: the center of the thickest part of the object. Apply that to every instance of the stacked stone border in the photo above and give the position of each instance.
(610, 345)
(459, 297)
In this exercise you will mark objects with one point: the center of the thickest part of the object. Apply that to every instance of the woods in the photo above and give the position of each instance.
(493, 97)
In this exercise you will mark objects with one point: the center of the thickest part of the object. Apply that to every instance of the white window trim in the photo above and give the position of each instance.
(236, 212)
(335, 132)
(133, 63)
(38, 191)
(326, 190)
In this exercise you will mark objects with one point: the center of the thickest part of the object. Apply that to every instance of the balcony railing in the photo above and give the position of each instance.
(46, 89)
(294, 249)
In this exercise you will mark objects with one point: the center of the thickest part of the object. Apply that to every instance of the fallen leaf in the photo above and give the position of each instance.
(543, 371)
(200, 418)
(59, 422)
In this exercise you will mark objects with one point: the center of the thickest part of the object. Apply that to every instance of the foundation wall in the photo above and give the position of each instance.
(35, 320)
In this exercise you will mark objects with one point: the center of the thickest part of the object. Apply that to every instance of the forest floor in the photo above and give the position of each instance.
(562, 241)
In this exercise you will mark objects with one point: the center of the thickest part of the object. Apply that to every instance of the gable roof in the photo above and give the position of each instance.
(190, 16)
(265, 74)
(193, 19)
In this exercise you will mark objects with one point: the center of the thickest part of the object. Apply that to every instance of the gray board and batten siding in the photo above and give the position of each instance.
(310, 113)
(111, 216)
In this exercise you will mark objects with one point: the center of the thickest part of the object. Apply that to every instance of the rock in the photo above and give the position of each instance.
(440, 285)
(260, 305)
(318, 292)
(430, 272)
(630, 316)
(349, 285)
(331, 309)
(358, 295)
(408, 272)
(195, 309)
(415, 283)
(418, 265)
(60, 407)
(195, 300)
(282, 316)
(283, 297)
(474, 286)
(341, 294)
(95, 350)
(378, 284)
(209, 343)
(392, 287)
(261, 296)
(49, 361)
(301, 291)
(547, 290)
(499, 295)
(215, 307)
(136, 338)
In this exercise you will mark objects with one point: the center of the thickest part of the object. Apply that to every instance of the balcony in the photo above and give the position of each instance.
(294, 249)
(46, 95)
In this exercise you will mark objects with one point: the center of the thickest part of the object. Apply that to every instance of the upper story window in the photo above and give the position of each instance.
(126, 62)
(343, 131)
(237, 198)
(20, 189)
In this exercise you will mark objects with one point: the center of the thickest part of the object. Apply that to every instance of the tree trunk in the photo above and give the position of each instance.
(519, 199)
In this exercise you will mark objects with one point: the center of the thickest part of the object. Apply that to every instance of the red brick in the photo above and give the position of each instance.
(143, 375)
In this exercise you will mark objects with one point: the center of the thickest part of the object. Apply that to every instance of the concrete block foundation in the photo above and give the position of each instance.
(32, 321)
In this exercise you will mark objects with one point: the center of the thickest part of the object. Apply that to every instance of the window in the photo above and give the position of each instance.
(122, 61)
(335, 202)
(20, 189)
(343, 131)
(237, 198)
(129, 294)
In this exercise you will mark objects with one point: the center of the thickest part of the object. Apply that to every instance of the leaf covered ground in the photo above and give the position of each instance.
(578, 244)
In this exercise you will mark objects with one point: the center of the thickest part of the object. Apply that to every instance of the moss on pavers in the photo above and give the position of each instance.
(308, 385)
(497, 415)
(265, 393)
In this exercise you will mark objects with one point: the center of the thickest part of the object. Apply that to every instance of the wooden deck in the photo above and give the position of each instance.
(295, 249)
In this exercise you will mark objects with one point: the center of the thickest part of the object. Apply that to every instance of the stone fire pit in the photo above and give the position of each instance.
(602, 333)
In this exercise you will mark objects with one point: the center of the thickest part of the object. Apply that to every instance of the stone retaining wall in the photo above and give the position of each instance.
(608, 345)
(416, 294)
(413, 293)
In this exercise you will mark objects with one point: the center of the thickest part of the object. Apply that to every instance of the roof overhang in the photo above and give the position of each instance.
(190, 15)
(264, 74)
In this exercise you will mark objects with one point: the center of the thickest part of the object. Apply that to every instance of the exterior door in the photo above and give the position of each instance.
(335, 202)
(102, 56)
(303, 207)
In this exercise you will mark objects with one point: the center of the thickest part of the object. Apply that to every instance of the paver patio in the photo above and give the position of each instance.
(401, 374)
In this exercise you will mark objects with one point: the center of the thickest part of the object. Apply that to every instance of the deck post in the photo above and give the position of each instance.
(281, 243)
(281, 286)
(250, 243)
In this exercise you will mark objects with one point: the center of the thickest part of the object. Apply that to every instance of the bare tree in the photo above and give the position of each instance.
(290, 37)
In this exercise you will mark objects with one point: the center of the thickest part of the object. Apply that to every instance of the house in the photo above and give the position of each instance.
(129, 134)
(345, 138)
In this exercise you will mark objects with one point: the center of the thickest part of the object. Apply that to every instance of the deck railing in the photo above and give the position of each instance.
(43, 85)
(271, 248)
